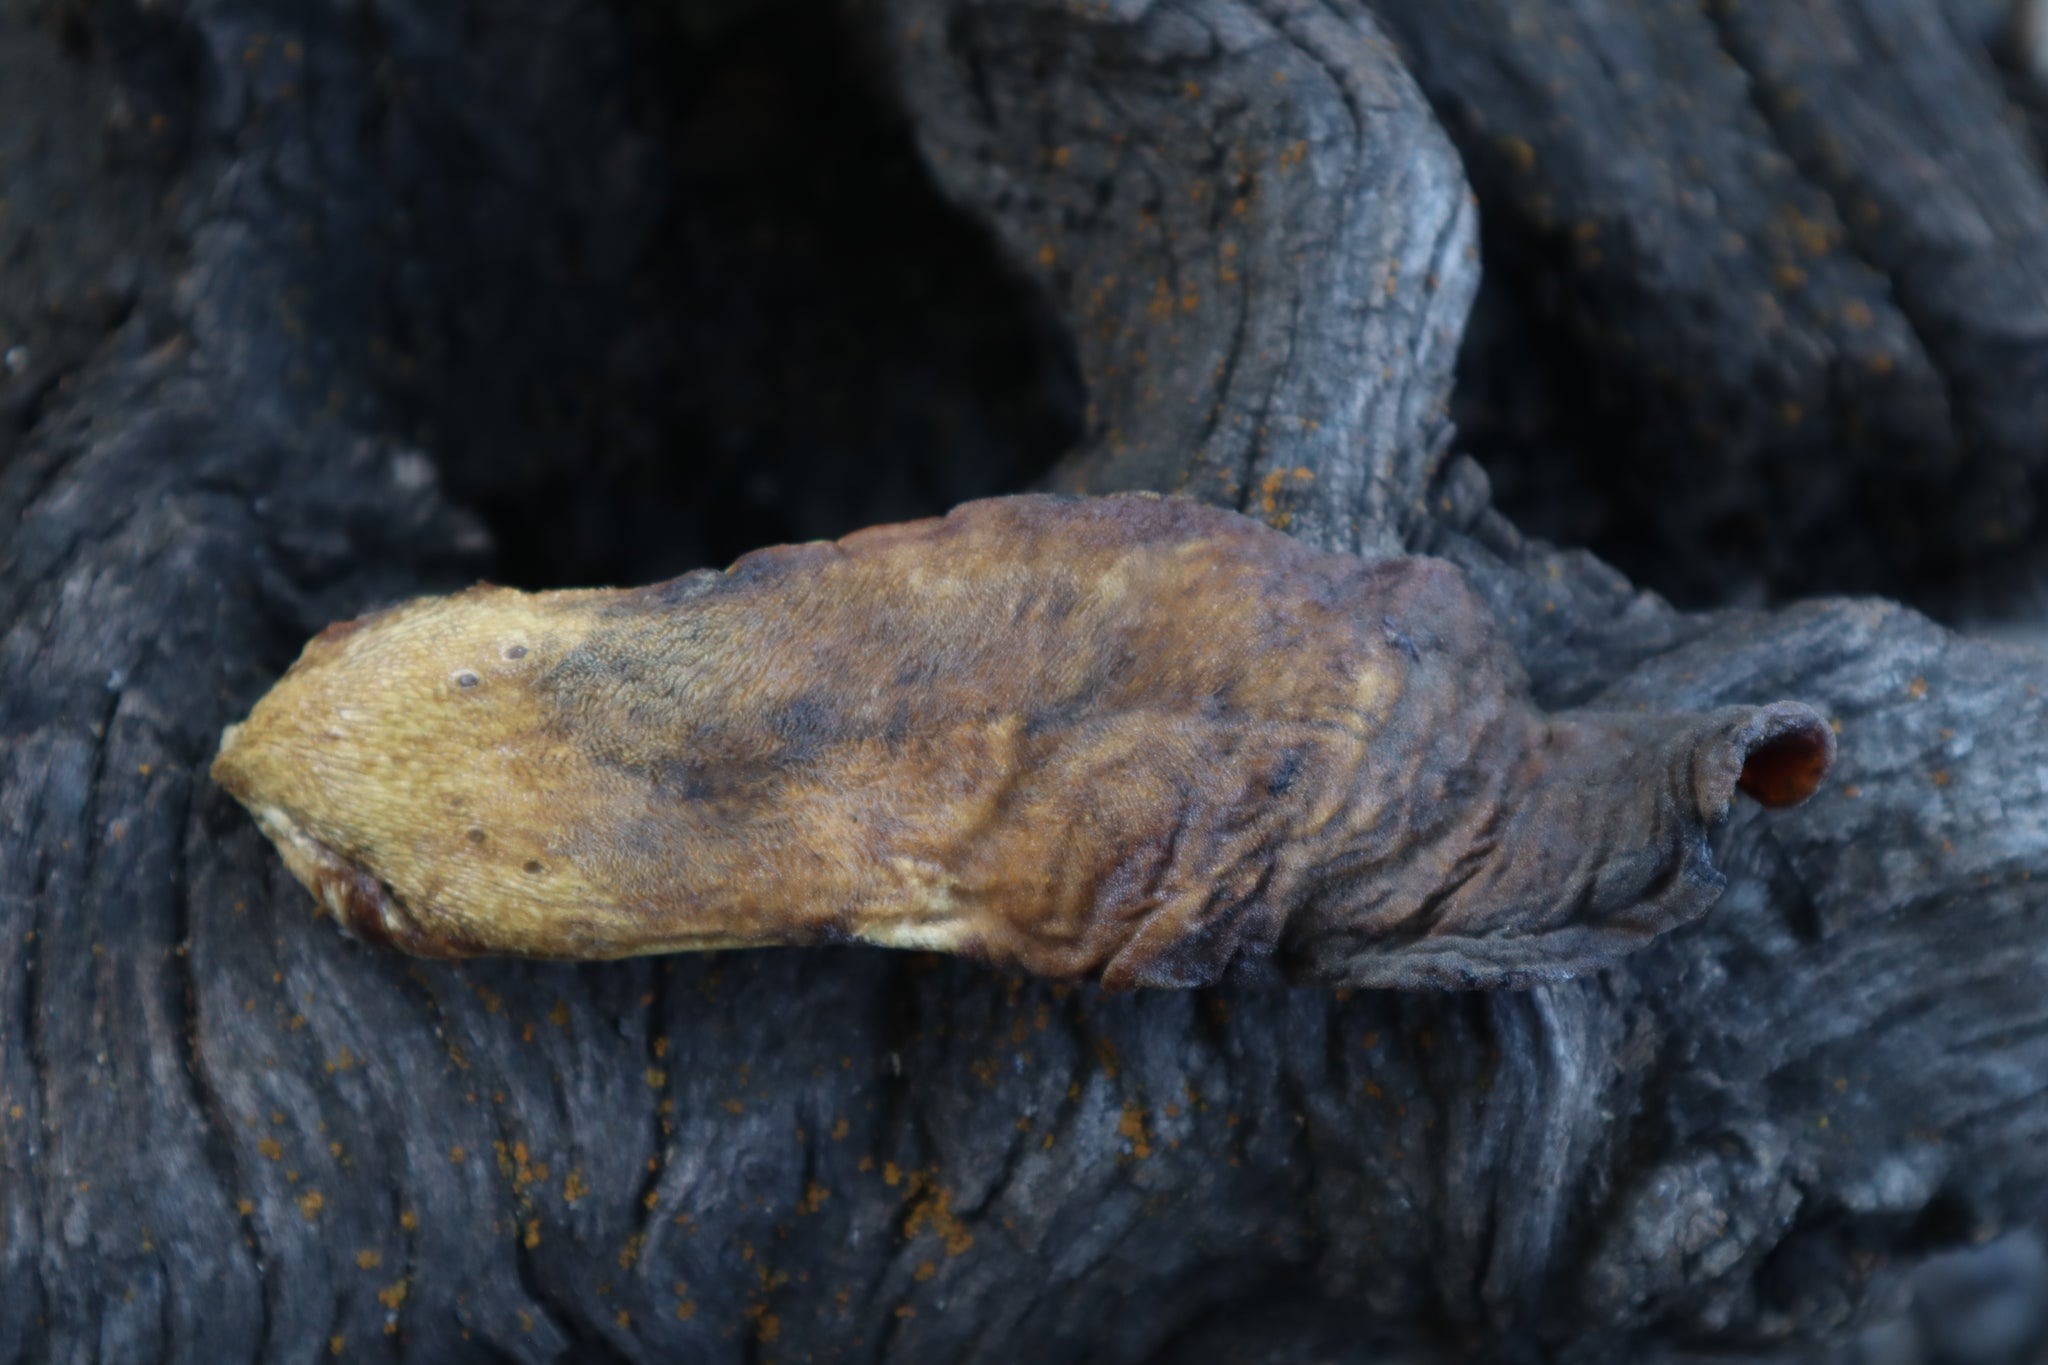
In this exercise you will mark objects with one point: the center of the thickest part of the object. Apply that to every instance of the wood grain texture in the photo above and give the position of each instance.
(409, 238)
(1259, 237)
(1766, 280)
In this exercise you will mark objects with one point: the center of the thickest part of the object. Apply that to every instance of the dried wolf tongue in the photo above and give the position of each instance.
(1130, 738)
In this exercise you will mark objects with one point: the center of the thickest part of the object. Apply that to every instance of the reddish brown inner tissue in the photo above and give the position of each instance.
(1788, 767)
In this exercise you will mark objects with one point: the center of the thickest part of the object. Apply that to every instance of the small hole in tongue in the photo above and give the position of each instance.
(1788, 767)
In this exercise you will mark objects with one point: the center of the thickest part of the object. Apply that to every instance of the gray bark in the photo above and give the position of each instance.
(403, 295)
(1769, 314)
(1258, 234)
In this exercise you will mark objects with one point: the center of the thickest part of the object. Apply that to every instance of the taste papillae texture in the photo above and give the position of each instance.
(1133, 739)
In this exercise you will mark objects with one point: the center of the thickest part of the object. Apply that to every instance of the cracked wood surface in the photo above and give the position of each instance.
(1253, 224)
(1786, 267)
(1810, 1122)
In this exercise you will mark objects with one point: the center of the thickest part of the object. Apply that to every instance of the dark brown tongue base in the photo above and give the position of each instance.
(1607, 847)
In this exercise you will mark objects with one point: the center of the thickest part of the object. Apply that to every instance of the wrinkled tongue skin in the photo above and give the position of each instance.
(1128, 739)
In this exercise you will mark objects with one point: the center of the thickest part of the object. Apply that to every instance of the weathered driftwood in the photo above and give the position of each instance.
(1768, 279)
(384, 243)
